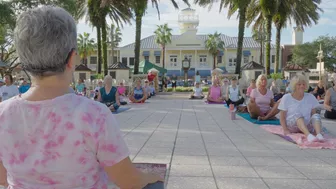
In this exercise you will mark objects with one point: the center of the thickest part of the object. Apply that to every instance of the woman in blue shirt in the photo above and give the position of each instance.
(138, 95)
(80, 86)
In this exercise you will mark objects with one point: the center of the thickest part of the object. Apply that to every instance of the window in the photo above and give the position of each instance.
(273, 58)
(203, 58)
(146, 58)
(93, 60)
(124, 60)
(131, 61)
(219, 59)
(256, 74)
(232, 61)
(173, 60)
(157, 59)
(115, 59)
(246, 59)
(82, 76)
(113, 74)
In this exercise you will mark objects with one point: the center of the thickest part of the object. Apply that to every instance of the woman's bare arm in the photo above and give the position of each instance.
(283, 120)
(126, 176)
(99, 98)
(327, 101)
(3, 176)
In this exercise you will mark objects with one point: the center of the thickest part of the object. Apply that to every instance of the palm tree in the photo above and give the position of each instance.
(268, 10)
(260, 36)
(234, 6)
(94, 17)
(115, 37)
(86, 46)
(139, 8)
(163, 37)
(213, 44)
(303, 13)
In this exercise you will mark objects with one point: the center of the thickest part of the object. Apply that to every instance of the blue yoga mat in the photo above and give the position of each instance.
(255, 121)
(121, 109)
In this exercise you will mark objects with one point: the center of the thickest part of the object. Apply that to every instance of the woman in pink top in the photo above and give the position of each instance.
(250, 88)
(51, 138)
(215, 92)
(261, 99)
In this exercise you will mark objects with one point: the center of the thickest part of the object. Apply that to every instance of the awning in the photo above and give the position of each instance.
(145, 53)
(144, 66)
(157, 53)
(221, 53)
(204, 73)
(176, 72)
(224, 70)
(246, 53)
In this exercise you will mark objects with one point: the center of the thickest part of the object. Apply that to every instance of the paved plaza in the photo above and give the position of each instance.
(204, 149)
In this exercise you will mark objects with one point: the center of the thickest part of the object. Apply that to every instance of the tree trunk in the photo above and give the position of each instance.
(163, 56)
(214, 61)
(241, 28)
(261, 52)
(277, 43)
(268, 43)
(104, 35)
(138, 23)
(112, 44)
(99, 49)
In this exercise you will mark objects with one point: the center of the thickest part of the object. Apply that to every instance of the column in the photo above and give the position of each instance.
(195, 62)
(180, 59)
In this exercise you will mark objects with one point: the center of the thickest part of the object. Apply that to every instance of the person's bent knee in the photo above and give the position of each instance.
(316, 119)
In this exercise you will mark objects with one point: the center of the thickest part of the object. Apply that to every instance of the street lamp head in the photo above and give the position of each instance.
(186, 63)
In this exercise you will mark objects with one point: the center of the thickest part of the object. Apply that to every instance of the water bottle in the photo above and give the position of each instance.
(232, 112)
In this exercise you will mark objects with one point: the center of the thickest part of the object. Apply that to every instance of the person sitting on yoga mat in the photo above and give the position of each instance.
(232, 94)
(215, 92)
(225, 86)
(261, 98)
(298, 111)
(50, 138)
(108, 94)
(319, 90)
(122, 93)
(330, 102)
(138, 95)
(276, 91)
(197, 92)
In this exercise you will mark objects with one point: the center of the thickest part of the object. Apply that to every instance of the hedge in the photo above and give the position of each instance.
(186, 89)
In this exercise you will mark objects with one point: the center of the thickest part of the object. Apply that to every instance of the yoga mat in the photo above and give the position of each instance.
(301, 140)
(275, 122)
(121, 109)
(207, 102)
(160, 169)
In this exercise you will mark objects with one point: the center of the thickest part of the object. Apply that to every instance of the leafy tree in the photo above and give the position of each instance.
(305, 54)
(163, 37)
(234, 6)
(213, 44)
(85, 45)
(139, 7)
(260, 36)
(115, 39)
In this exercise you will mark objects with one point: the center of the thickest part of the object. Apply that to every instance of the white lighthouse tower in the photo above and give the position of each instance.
(188, 20)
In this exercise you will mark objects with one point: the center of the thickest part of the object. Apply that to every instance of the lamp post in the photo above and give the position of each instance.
(320, 57)
(186, 66)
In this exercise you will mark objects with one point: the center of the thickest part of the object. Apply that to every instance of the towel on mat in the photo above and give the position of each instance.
(301, 140)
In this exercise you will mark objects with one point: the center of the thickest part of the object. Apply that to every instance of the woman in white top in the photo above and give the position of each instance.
(8, 90)
(197, 93)
(232, 94)
(298, 111)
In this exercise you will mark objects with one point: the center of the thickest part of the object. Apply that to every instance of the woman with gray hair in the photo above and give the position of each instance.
(51, 138)
(298, 111)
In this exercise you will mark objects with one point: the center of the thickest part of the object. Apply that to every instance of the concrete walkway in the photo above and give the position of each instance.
(204, 149)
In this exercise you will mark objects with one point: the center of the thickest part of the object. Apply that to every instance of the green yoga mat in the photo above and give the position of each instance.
(255, 121)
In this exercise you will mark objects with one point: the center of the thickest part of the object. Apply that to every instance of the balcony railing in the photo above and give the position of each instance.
(188, 18)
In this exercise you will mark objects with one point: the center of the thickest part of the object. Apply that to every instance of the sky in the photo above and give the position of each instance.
(212, 20)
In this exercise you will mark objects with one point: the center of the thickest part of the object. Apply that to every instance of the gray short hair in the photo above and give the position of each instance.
(296, 79)
(44, 38)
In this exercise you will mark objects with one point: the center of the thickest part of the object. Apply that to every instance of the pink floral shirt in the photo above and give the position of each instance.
(61, 143)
